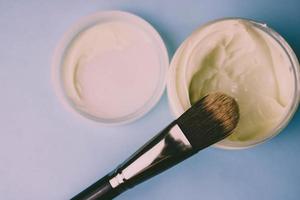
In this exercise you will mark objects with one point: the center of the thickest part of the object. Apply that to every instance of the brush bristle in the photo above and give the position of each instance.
(209, 120)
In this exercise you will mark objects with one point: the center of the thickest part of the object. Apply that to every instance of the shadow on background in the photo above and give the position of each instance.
(164, 33)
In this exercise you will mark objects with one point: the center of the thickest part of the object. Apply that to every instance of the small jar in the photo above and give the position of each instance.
(110, 67)
(180, 73)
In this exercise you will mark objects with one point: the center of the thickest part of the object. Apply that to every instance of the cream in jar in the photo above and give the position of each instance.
(111, 69)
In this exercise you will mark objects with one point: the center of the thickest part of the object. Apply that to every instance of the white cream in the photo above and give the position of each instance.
(111, 69)
(241, 60)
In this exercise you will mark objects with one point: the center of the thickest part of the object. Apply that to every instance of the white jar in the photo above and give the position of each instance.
(185, 63)
(110, 67)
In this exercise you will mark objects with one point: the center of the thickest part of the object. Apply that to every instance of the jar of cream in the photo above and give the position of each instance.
(247, 60)
(110, 67)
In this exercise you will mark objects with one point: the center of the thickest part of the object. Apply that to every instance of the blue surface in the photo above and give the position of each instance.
(47, 153)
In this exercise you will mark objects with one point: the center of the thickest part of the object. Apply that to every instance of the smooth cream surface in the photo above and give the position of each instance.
(111, 69)
(235, 57)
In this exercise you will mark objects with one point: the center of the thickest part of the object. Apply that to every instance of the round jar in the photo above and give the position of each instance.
(246, 60)
(110, 67)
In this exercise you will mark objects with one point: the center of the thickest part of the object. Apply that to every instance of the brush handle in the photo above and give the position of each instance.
(165, 150)
(101, 190)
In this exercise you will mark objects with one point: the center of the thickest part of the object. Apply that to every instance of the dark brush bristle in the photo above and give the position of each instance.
(209, 120)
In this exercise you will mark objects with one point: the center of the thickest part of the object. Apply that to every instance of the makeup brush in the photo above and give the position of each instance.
(208, 121)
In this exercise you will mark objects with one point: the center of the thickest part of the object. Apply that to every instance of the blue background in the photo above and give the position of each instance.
(47, 153)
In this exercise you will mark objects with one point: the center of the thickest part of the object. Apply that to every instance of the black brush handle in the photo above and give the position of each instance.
(101, 190)
(165, 150)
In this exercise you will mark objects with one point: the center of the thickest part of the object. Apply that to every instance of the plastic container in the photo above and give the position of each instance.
(177, 108)
(101, 18)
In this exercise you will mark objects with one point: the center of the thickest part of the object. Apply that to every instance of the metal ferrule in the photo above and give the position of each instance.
(165, 150)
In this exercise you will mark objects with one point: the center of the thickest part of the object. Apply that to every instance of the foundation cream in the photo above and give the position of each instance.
(103, 70)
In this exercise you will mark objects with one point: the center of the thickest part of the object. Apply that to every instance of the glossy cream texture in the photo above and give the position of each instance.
(235, 57)
(111, 70)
